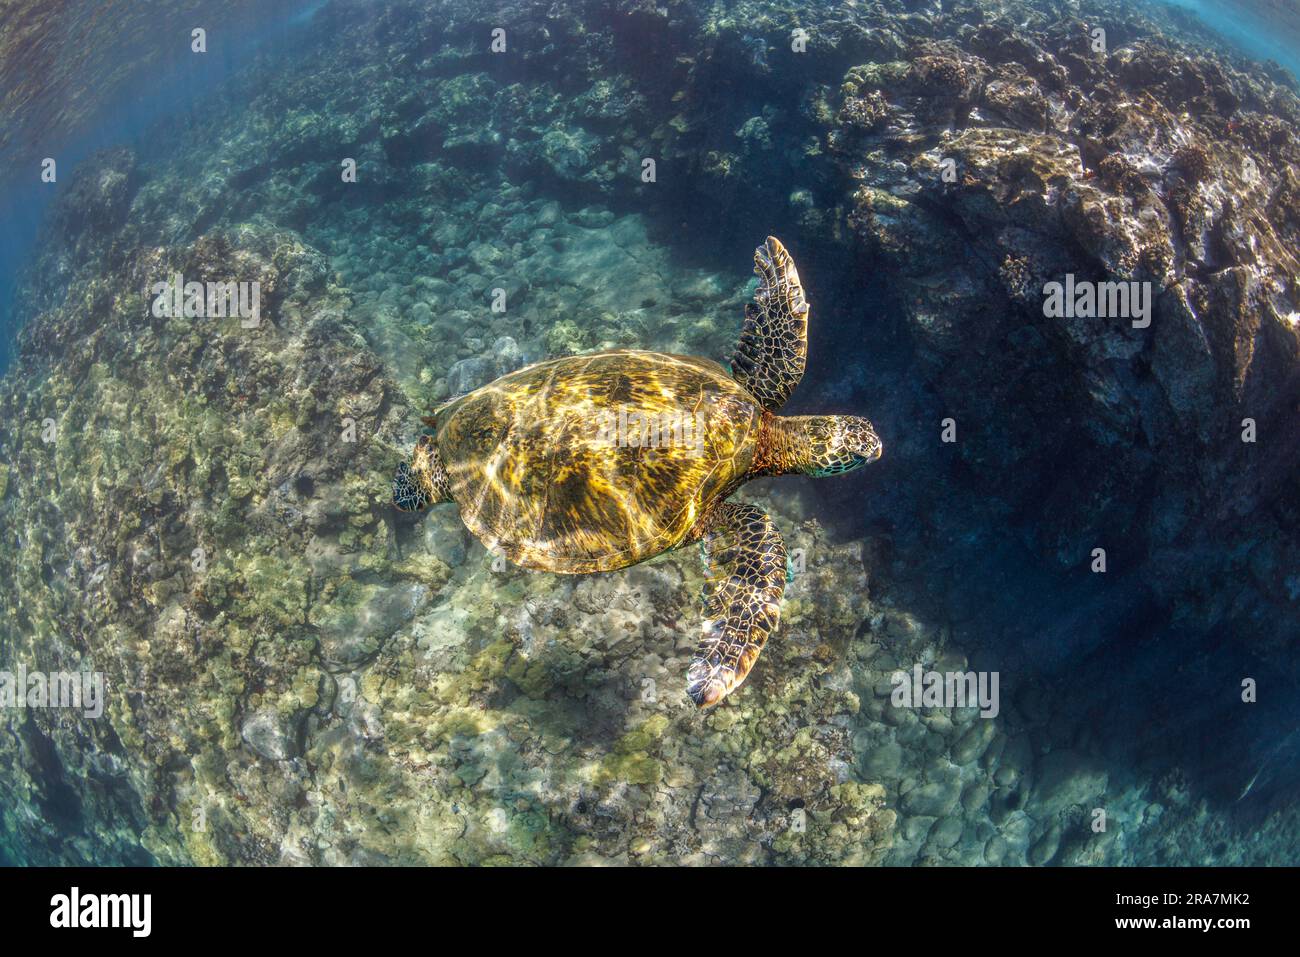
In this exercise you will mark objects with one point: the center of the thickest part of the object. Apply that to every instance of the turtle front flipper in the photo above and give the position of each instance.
(424, 481)
(744, 559)
(773, 347)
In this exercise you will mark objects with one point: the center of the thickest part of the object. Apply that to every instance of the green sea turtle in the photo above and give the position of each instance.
(595, 462)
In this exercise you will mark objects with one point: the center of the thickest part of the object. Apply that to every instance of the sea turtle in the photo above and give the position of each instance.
(595, 462)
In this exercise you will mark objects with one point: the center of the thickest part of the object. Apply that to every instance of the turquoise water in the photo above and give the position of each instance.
(1264, 34)
(149, 97)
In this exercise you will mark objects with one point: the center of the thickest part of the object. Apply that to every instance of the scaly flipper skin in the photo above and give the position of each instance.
(424, 481)
(773, 347)
(745, 561)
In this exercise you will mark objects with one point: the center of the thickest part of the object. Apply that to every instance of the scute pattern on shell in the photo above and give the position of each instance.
(537, 475)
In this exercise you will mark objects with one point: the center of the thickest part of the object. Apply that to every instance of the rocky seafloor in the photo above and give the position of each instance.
(326, 681)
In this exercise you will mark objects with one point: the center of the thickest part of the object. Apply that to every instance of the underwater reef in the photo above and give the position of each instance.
(298, 674)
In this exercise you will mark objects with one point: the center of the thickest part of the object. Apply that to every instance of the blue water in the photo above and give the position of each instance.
(154, 94)
(1249, 32)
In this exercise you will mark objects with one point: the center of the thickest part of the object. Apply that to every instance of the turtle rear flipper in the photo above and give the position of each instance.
(769, 359)
(744, 557)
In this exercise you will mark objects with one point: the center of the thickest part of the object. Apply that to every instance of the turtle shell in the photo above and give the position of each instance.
(596, 462)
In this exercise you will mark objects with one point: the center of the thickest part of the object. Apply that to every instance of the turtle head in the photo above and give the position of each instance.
(838, 443)
(818, 445)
